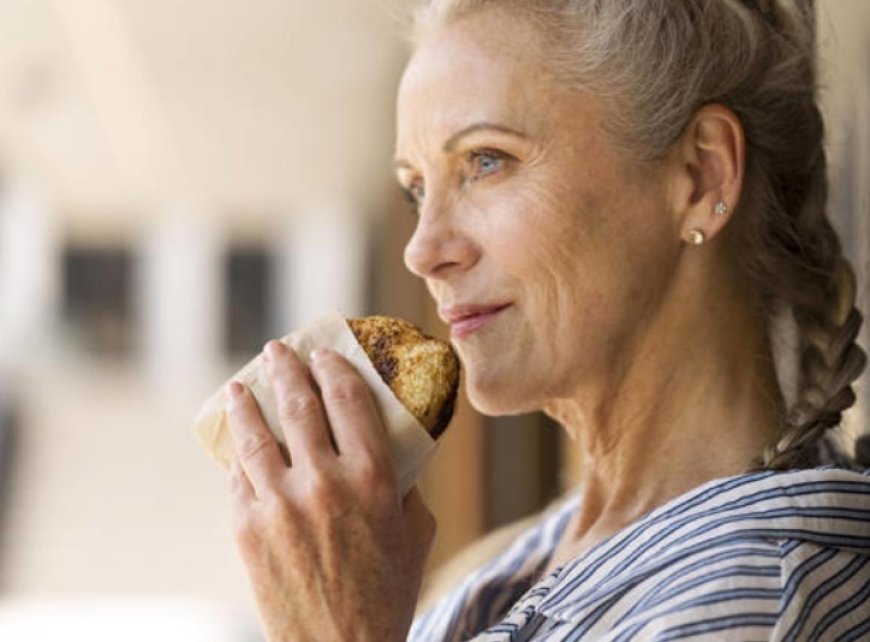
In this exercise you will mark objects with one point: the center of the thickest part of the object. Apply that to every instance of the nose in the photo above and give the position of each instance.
(438, 247)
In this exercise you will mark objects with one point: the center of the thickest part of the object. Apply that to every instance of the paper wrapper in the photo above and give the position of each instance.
(411, 443)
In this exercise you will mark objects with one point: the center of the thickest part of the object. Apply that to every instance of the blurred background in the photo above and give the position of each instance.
(179, 181)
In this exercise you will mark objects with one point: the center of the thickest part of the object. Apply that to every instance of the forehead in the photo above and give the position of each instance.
(488, 66)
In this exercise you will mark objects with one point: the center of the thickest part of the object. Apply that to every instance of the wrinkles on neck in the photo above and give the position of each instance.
(694, 398)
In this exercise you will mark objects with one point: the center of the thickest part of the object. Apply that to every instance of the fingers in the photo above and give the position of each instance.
(356, 425)
(299, 409)
(337, 406)
(256, 448)
(241, 490)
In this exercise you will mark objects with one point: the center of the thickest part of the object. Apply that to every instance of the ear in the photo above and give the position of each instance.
(708, 163)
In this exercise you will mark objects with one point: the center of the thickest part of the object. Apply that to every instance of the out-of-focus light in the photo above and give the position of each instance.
(128, 620)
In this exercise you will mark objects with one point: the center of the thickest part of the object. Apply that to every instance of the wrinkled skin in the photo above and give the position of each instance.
(644, 347)
(534, 208)
(332, 552)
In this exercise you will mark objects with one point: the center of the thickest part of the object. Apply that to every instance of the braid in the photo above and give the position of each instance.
(802, 263)
(830, 361)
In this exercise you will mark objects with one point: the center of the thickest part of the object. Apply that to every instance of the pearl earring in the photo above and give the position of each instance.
(720, 208)
(696, 237)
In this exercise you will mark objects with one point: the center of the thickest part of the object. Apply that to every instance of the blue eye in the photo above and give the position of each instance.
(486, 162)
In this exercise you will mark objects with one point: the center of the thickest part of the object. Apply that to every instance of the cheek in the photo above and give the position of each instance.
(543, 239)
(587, 266)
(541, 242)
(530, 226)
(586, 263)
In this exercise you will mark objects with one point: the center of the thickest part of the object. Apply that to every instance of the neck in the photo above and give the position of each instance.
(695, 400)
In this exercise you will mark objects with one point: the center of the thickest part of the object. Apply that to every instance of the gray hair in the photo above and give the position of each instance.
(654, 63)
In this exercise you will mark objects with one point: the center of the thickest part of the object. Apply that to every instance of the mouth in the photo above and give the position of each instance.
(464, 320)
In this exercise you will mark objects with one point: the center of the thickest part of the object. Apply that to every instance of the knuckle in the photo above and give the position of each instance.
(375, 477)
(320, 492)
(322, 495)
(350, 391)
(252, 446)
(278, 510)
(237, 487)
(300, 406)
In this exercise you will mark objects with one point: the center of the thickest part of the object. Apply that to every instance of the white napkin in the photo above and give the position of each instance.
(412, 445)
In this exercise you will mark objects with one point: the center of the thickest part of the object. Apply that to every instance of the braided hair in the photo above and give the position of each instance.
(653, 63)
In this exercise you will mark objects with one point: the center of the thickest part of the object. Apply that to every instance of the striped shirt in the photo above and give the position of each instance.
(760, 556)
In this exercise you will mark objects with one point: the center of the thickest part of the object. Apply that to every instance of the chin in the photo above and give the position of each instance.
(497, 399)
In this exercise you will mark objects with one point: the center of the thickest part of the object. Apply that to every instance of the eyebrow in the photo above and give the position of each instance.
(451, 143)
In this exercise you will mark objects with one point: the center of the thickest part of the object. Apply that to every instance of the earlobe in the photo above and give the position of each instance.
(697, 236)
(712, 150)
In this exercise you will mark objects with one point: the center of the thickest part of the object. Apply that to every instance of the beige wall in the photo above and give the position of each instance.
(844, 37)
(126, 108)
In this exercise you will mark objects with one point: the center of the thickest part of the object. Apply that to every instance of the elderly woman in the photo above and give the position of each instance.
(621, 214)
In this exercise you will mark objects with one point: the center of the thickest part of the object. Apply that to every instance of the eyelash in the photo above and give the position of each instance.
(412, 199)
(477, 154)
(415, 192)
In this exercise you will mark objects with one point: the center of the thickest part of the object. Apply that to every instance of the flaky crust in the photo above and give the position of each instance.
(422, 372)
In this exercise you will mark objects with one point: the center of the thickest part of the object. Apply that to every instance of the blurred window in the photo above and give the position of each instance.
(98, 299)
(248, 274)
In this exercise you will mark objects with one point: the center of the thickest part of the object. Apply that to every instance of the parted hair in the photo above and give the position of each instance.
(653, 63)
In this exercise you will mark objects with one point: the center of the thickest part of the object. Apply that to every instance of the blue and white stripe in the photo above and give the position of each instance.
(762, 556)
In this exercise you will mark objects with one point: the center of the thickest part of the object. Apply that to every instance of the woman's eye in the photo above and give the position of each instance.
(417, 192)
(414, 194)
(484, 163)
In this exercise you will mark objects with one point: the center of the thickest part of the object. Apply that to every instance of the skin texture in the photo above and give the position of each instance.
(332, 552)
(645, 348)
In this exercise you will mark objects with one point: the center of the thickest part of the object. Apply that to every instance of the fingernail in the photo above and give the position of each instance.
(317, 354)
(235, 389)
(273, 349)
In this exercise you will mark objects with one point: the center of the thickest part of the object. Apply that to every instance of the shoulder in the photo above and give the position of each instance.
(742, 557)
(735, 559)
(825, 593)
(744, 589)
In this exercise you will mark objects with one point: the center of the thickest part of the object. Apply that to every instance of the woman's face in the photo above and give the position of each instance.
(545, 250)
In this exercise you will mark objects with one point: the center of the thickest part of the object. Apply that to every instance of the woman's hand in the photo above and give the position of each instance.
(332, 552)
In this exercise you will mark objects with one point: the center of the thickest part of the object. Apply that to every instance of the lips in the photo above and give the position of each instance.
(465, 319)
